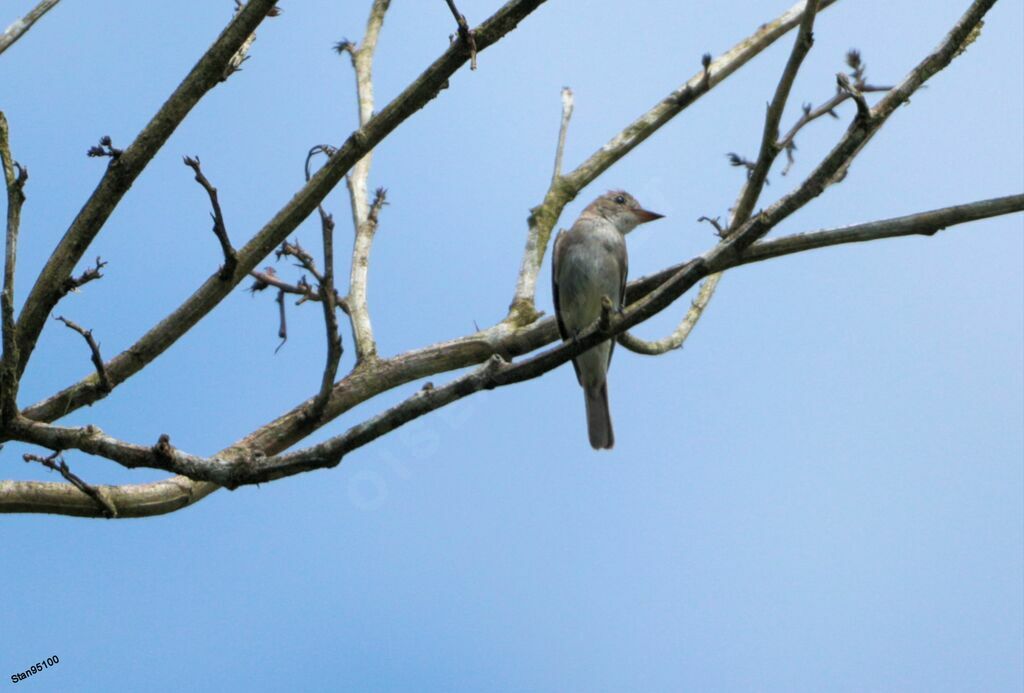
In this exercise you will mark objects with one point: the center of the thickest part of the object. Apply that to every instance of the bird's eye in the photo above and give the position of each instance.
(619, 199)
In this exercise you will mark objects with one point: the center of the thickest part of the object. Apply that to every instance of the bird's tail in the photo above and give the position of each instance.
(599, 419)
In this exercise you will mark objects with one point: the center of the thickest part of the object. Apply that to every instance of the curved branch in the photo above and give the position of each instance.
(682, 331)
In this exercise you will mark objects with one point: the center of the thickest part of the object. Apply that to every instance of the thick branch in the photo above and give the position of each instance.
(15, 177)
(21, 26)
(242, 54)
(123, 171)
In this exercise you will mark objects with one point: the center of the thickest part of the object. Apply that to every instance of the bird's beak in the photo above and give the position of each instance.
(646, 216)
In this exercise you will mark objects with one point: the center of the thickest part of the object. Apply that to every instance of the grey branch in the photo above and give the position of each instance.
(810, 113)
(563, 129)
(239, 465)
(682, 330)
(56, 463)
(301, 205)
(242, 54)
(20, 26)
(94, 351)
(466, 35)
(249, 457)
(358, 188)
(123, 171)
(757, 177)
(219, 228)
(15, 177)
(769, 139)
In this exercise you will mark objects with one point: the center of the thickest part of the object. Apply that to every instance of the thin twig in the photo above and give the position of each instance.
(810, 113)
(117, 179)
(72, 284)
(303, 289)
(466, 35)
(94, 349)
(242, 54)
(563, 129)
(305, 259)
(327, 297)
(56, 463)
(716, 222)
(219, 228)
(769, 139)
(18, 29)
(757, 178)
(282, 321)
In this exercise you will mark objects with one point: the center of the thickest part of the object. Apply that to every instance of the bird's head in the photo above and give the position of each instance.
(621, 209)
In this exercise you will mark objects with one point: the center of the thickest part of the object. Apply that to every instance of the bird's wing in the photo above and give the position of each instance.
(556, 252)
(622, 260)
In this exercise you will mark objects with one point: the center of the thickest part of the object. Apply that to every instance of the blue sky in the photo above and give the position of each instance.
(821, 491)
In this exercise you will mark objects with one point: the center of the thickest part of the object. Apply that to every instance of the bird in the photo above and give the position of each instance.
(589, 263)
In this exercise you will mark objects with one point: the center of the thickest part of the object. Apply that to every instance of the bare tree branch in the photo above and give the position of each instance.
(20, 26)
(75, 283)
(543, 217)
(327, 298)
(242, 54)
(358, 189)
(810, 114)
(256, 456)
(769, 140)
(241, 465)
(123, 171)
(682, 331)
(301, 205)
(466, 35)
(15, 177)
(94, 349)
(56, 463)
(757, 176)
(567, 104)
(219, 228)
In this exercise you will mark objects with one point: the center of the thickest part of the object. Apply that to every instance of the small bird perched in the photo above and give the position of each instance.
(589, 263)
